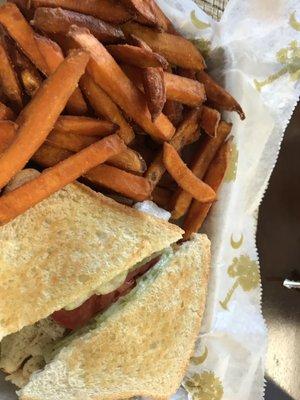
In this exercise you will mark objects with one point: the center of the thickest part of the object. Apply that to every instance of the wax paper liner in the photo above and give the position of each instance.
(255, 53)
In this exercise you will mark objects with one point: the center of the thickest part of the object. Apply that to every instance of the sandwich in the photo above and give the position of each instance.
(81, 274)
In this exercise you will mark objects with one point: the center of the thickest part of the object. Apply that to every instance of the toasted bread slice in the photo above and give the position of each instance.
(64, 248)
(141, 346)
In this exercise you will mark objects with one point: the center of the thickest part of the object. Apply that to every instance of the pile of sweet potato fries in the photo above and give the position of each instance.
(109, 92)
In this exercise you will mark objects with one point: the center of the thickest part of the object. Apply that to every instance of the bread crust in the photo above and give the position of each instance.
(65, 247)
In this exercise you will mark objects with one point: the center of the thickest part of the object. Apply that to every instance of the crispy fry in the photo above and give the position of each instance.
(155, 90)
(37, 118)
(217, 96)
(173, 110)
(107, 10)
(185, 177)
(210, 120)
(109, 76)
(104, 106)
(161, 20)
(57, 20)
(70, 141)
(205, 154)
(179, 140)
(136, 56)
(176, 49)
(53, 56)
(50, 181)
(129, 185)
(29, 75)
(84, 126)
(20, 30)
(129, 160)
(6, 112)
(161, 196)
(142, 10)
(184, 90)
(8, 78)
(214, 177)
(8, 131)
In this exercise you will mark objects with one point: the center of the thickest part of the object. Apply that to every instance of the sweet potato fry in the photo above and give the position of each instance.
(184, 90)
(50, 181)
(173, 110)
(107, 10)
(37, 118)
(185, 177)
(142, 10)
(176, 49)
(129, 185)
(217, 96)
(210, 120)
(109, 76)
(155, 90)
(84, 126)
(20, 30)
(129, 160)
(6, 112)
(135, 74)
(8, 131)
(53, 56)
(205, 154)
(57, 20)
(214, 177)
(8, 78)
(186, 73)
(29, 75)
(162, 21)
(70, 141)
(179, 140)
(136, 56)
(104, 106)
(161, 196)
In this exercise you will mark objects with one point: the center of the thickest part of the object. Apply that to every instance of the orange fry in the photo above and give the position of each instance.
(84, 126)
(205, 154)
(53, 56)
(184, 90)
(155, 90)
(176, 49)
(7, 134)
(53, 179)
(129, 185)
(214, 177)
(129, 160)
(210, 120)
(107, 10)
(57, 20)
(6, 112)
(109, 76)
(217, 96)
(179, 140)
(185, 177)
(142, 10)
(173, 110)
(162, 21)
(8, 78)
(136, 56)
(104, 106)
(20, 30)
(38, 118)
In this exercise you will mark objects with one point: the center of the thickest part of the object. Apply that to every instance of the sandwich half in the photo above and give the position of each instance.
(141, 345)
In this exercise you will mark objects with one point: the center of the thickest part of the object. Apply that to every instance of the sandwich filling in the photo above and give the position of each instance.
(28, 350)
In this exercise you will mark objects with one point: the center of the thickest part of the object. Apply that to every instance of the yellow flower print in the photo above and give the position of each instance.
(246, 272)
(231, 170)
(204, 386)
(293, 22)
(197, 22)
(197, 360)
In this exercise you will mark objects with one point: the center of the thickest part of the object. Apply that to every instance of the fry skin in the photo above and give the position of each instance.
(155, 90)
(210, 120)
(104, 106)
(205, 154)
(57, 20)
(109, 76)
(184, 90)
(107, 10)
(176, 49)
(214, 177)
(218, 96)
(84, 126)
(53, 179)
(37, 118)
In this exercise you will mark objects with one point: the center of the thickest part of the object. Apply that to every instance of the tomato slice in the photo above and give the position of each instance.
(74, 319)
